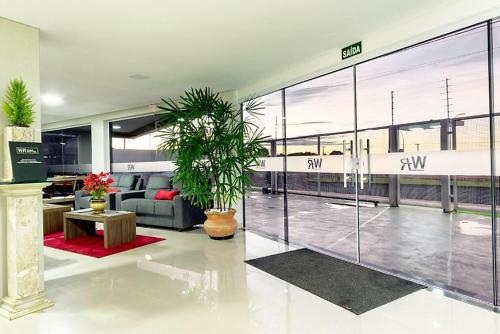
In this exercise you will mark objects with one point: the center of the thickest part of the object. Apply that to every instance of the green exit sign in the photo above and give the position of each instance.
(351, 50)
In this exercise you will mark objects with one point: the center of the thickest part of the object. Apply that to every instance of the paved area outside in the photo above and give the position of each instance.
(452, 251)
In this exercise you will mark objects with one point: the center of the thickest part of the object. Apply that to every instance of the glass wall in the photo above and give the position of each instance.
(388, 163)
(319, 106)
(264, 202)
(68, 151)
(135, 140)
(427, 238)
(495, 54)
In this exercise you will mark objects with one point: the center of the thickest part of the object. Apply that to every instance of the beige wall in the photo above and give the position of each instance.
(19, 58)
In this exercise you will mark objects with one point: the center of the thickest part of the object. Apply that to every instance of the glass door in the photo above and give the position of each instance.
(424, 195)
(264, 201)
(321, 191)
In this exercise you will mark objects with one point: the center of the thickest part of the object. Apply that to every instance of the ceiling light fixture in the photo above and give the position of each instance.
(138, 76)
(52, 100)
(117, 127)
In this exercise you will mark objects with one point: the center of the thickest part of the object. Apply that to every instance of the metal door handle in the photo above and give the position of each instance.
(344, 162)
(361, 169)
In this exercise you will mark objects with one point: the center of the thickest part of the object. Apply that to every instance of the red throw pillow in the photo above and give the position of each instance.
(165, 195)
(113, 190)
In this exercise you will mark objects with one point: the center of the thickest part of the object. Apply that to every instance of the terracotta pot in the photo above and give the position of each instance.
(98, 205)
(220, 225)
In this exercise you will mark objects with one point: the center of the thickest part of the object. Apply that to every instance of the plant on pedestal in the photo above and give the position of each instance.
(97, 185)
(18, 108)
(216, 151)
(17, 104)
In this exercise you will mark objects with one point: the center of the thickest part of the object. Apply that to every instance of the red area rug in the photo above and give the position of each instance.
(93, 245)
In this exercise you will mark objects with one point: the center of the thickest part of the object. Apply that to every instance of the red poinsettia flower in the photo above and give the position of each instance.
(97, 185)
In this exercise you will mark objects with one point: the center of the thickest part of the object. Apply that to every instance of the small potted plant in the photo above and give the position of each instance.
(18, 108)
(216, 151)
(97, 185)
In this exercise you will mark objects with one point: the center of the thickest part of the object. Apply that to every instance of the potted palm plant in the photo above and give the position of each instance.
(216, 151)
(18, 108)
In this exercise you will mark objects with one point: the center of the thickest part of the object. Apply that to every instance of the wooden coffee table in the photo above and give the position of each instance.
(119, 226)
(53, 218)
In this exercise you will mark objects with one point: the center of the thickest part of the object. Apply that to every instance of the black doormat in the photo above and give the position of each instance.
(353, 287)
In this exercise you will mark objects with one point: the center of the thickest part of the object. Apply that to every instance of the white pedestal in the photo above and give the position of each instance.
(22, 229)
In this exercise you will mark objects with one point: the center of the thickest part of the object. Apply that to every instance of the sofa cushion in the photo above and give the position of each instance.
(84, 202)
(127, 181)
(164, 208)
(139, 206)
(165, 195)
(155, 183)
(145, 207)
(116, 180)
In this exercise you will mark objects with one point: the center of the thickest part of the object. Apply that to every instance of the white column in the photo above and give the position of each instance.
(22, 227)
(100, 146)
(19, 58)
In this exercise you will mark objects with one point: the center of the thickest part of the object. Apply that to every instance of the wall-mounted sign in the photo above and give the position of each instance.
(27, 160)
(351, 50)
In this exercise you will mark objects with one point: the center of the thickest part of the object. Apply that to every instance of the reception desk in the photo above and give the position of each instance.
(21, 249)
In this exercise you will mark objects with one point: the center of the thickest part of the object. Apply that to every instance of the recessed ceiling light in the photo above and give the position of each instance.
(117, 127)
(138, 77)
(52, 100)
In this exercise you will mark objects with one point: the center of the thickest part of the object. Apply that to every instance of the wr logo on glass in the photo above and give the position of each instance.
(414, 163)
(314, 163)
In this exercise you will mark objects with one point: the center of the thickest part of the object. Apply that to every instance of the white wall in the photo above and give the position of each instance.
(19, 58)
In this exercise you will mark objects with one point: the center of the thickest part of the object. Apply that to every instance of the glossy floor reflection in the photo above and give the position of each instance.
(191, 284)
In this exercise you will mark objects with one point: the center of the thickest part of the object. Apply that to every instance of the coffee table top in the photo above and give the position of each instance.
(90, 215)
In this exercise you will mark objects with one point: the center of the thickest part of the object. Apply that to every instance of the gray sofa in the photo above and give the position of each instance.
(178, 213)
(123, 182)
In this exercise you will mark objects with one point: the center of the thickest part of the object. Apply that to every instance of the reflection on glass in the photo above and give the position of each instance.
(320, 106)
(264, 201)
(136, 140)
(417, 81)
(68, 151)
(434, 229)
(326, 220)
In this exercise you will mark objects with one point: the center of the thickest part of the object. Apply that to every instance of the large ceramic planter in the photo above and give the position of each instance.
(220, 225)
(14, 133)
(98, 205)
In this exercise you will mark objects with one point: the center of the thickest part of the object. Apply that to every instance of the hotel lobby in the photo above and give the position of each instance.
(252, 167)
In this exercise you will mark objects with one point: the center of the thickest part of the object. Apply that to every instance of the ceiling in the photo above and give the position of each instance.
(102, 56)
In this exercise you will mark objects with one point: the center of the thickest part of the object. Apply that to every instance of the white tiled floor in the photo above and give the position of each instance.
(191, 284)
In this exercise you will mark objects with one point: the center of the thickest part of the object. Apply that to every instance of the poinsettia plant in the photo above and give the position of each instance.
(97, 185)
